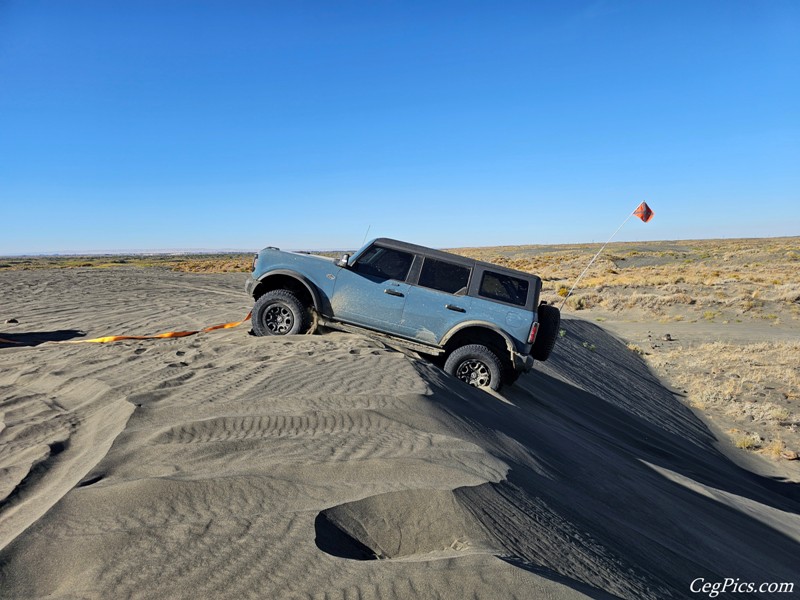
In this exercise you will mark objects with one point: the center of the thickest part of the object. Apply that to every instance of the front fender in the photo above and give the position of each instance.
(307, 283)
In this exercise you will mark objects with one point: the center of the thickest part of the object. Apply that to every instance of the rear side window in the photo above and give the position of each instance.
(384, 263)
(504, 288)
(444, 276)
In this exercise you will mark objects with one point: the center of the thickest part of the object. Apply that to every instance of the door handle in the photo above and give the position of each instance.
(455, 308)
(394, 293)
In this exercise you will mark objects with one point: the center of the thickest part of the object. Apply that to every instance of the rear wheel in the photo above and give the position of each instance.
(476, 365)
(549, 324)
(279, 312)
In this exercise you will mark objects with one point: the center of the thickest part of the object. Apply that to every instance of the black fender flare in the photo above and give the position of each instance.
(312, 289)
(483, 324)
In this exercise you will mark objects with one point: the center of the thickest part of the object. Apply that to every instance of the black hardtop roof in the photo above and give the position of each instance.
(448, 256)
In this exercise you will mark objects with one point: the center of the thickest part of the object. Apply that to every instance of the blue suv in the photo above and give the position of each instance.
(480, 322)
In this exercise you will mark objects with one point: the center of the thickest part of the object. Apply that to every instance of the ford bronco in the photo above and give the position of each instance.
(480, 322)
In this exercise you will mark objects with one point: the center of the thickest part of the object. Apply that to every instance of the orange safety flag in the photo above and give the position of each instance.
(644, 212)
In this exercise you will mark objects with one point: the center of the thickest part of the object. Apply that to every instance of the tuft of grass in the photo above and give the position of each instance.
(636, 349)
(774, 449)
(780, 413)
(698, 404)
(746, 441)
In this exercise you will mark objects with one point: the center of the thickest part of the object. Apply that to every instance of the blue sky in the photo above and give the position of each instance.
(207, 125)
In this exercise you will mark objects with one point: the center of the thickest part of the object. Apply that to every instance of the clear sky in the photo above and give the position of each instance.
(171, 124)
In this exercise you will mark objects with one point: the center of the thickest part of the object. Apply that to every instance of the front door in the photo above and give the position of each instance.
(372, 292)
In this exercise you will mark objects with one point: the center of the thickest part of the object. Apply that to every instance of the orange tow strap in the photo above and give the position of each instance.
(168, 334)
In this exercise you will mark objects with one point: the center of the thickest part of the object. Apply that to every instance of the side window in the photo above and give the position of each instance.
(444, 276)
(504, 288)
(384, 263)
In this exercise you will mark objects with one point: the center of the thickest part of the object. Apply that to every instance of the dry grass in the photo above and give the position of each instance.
(774, 449)
(233, 264)
(745, 441)
(223, 262)
(747, 385)
(719, 275)
(703, 279)
(196, 263)
(637, 349)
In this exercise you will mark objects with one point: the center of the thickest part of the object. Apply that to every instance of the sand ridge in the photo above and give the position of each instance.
(330, 466)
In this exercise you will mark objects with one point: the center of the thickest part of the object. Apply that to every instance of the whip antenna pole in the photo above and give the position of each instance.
(366, 234)
(643, 212)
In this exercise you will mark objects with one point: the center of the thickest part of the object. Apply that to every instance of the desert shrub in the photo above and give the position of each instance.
(653, 301)
(636, 349)
(774, 449)
(586, 301)
(746, 441)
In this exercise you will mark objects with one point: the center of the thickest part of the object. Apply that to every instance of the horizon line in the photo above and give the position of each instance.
(198, 251)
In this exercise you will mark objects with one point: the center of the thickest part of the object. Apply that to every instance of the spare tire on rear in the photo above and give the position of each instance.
(549, 325)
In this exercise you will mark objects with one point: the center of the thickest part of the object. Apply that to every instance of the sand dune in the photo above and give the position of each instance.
(330, 466)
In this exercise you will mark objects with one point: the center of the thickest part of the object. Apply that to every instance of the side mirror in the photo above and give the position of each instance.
(342, 262)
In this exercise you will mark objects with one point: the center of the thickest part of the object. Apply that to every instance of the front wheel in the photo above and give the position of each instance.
(476, 365)
(279, 312)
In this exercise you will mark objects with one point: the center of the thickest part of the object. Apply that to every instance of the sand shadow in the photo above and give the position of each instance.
(610, 466)
(603, 386)
(36, 473)
(333, 540)
(34, 338)
(591, 592)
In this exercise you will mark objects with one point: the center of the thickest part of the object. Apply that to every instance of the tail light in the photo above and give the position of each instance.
(534, 331)
(255, 258)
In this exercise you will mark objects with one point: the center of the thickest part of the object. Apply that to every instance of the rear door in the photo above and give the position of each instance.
(506, 301)
(372, 292)
(438, 301)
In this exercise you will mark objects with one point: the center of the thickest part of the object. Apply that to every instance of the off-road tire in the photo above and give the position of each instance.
(549, 325)
(279, 312)
(475, 365)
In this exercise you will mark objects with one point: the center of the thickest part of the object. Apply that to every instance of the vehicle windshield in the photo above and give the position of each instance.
(384, 263)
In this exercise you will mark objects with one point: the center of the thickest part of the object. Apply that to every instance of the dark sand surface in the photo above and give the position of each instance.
(329, 466)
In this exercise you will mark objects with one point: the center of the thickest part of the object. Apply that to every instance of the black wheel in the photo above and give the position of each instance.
(476, 365)
(549, 324)
(279, 312)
